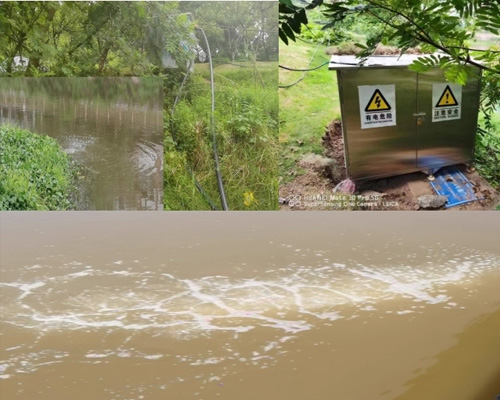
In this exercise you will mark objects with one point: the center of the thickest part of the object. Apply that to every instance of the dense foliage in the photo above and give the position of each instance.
(35, 174)
(238, 30)
(91, 38)
(447, 26)
(243, 38)
(107, 38)
(246, 126)
(488, 139)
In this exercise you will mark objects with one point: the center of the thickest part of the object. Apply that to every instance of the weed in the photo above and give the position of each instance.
(35, 174)
(246, 128)
(487, 153)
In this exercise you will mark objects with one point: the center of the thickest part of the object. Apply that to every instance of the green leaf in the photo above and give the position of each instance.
(294, 23)
(283, 9)
(302, 17)
(286, 28)
(301, 3)
(283, 36)
(416, 66)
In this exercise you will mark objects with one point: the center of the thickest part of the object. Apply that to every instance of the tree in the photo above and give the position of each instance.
(18, 22)
(267, 39)
(439, 25)
(91, 38)
(238, 29)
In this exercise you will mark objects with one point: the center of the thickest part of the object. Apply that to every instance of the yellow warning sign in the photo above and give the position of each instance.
(447, 98)
(377, 102)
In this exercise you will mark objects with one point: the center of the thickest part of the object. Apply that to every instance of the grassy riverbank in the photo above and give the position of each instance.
(35, 174)
(306, 107)
(246, 126)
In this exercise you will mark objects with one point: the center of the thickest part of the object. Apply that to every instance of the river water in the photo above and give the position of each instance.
(112, 127)
(278, 306)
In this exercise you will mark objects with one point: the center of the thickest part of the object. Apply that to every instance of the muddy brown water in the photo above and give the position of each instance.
(112, 127)
(274, 306)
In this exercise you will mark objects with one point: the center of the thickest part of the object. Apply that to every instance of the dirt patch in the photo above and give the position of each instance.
(394, 191)
(333, 143)
(381, 50)
(311, 185)
(314, 190)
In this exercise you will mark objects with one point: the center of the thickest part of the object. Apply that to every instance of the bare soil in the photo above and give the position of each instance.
(333, 143)
(381, 50)
(314, 190)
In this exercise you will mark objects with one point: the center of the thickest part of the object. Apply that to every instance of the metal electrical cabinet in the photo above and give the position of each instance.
(397, 121)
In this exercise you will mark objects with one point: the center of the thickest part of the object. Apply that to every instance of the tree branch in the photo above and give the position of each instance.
(401, 15)
(429, 40)
(471, 49)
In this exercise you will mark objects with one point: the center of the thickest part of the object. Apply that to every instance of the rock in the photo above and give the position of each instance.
(322, 165)
(373, 193)
(432, 202)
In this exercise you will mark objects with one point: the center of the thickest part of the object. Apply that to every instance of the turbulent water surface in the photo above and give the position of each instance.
(111, 127)
(245, 306)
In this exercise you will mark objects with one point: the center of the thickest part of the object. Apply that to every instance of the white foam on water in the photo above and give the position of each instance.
(25, 288)
(97, 355)
(289, 299)
(86, 272)
(416, 289)
(153, 356)
(285, 301)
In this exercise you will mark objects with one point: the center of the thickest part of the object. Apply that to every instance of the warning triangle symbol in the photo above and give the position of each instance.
(447, 98)
(377, 102)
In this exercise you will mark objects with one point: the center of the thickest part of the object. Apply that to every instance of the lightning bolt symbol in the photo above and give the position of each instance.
(377, 101)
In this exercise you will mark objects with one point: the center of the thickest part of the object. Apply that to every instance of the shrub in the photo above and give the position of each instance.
(488, 157)
(35, 174)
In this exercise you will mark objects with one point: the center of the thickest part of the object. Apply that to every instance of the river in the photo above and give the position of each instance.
(273, 306)
(112, 127)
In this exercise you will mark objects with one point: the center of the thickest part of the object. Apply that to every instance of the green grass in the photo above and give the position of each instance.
(35, 174)
(246, 126)
(487, 152)
(484, 40)
(305, 108)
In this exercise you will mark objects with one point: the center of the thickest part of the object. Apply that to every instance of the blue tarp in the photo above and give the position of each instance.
(450, 182)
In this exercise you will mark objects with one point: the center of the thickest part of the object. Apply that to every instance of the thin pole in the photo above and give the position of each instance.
(212, 127)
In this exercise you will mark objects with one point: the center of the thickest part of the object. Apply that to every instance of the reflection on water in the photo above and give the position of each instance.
(235, 307)
(111, 126)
